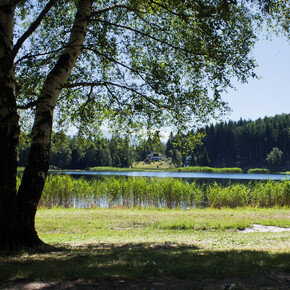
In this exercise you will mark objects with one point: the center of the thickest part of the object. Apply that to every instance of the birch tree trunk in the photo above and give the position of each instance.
(36, 169)
(9, 130)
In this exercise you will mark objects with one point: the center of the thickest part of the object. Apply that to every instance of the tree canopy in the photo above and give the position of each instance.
(131, 64)
(142, 62)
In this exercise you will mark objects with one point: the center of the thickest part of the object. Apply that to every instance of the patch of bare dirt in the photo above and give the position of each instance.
(263, 229)
(261, 281)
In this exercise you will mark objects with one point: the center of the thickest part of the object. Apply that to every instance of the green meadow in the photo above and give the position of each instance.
(133, 246)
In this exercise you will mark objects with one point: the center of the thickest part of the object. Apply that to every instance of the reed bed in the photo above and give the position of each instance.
(259, 171)
(66, 191)
(210, 169)
(108, 168)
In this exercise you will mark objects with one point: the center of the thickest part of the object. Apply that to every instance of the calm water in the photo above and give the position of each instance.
(181, 175)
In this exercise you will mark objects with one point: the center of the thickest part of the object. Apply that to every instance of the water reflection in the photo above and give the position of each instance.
(187, 175)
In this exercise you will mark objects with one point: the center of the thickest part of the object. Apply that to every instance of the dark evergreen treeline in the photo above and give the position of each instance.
(76, 153)
(246, 144)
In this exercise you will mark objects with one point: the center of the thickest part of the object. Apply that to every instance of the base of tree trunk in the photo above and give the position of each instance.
(29, 238)
(21, 240)
(35, 245)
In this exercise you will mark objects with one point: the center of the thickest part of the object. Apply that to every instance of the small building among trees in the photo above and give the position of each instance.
(155, 157)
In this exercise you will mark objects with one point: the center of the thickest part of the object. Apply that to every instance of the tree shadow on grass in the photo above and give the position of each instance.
(114, 263)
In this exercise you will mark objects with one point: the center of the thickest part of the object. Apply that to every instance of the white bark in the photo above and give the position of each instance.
(36, 169)
(58, 76)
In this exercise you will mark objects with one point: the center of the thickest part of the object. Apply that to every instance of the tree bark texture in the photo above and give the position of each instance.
(9, 130)
(36, 169)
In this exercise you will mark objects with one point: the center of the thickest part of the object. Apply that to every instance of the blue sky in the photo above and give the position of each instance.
(269, 95)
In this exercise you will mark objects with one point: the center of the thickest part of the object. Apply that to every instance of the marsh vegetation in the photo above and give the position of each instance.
(139, 192)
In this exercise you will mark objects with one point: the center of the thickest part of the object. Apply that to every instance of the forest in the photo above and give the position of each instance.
(246, 144)
(263, 143)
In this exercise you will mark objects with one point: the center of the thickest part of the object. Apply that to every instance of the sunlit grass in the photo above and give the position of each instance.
(157, 165)
(150, 244)
(107, 225)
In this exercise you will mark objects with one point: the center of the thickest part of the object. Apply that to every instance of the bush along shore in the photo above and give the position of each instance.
(259, 171)
(65, 191)
(207, 169)
(164, 166)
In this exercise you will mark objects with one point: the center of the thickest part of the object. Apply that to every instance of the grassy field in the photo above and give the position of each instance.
(129, 247)
(158, 165)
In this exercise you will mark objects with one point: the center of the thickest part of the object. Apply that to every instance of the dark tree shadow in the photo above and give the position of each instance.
(145, 265)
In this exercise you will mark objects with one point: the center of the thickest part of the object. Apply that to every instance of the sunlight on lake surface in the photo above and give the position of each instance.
(166, 174)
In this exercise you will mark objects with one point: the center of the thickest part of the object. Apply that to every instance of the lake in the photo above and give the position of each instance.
(187, 175)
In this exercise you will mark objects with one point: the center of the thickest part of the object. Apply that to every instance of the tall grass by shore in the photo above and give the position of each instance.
(259, 171)
(108, 168)
(159, 166)
(65, 191)
(209, 169)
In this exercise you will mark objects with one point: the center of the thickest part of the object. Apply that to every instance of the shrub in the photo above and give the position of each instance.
(258, 171)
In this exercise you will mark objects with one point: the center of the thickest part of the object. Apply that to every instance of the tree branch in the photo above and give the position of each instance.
(166, 9)
(113, 60)
(201, 12)
(84, 84)
(106, 84)
(39, 54)
(98, 84)
(113, 96)
(32, 28)
(112, 7)
(150, 36)
(119, 63)
(27, 106)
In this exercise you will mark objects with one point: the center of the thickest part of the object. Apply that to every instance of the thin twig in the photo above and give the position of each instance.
(150, 36)
(32, 28)
(27, 106)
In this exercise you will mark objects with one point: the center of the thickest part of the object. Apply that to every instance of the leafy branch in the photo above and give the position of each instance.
(151, 37)
(106, 84)
(34, 25)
